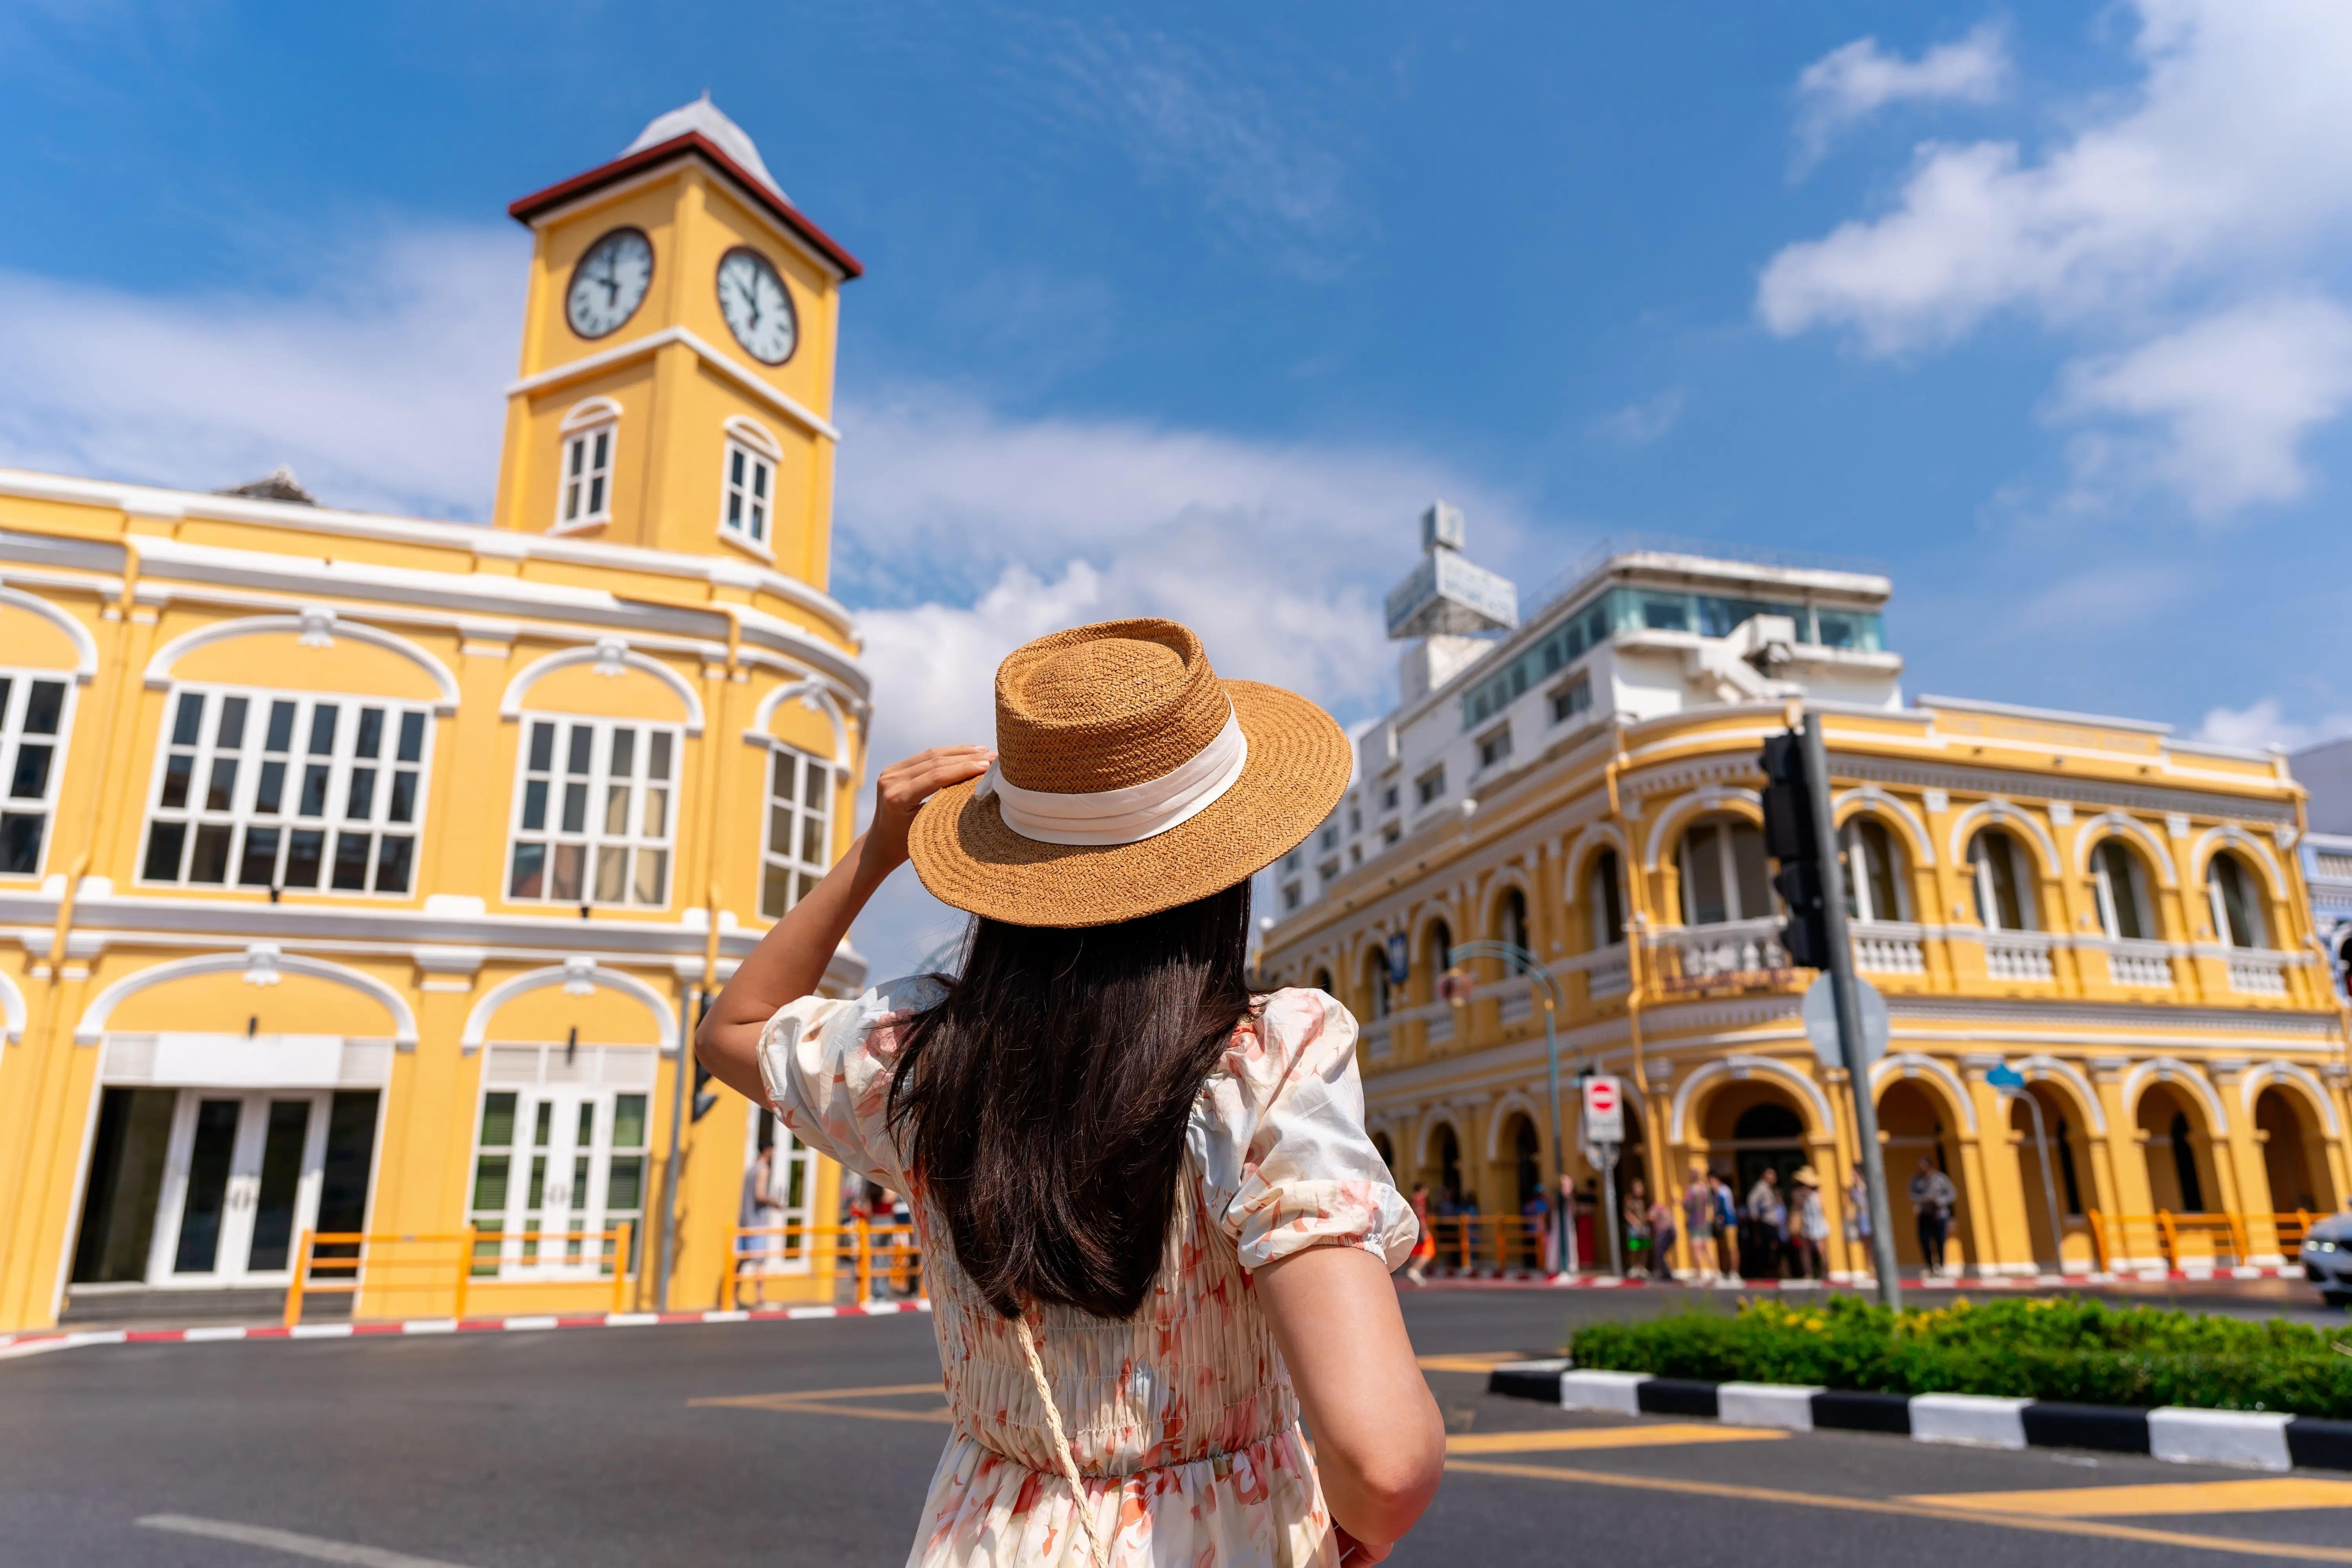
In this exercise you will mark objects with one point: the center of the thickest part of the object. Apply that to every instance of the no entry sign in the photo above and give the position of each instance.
(1604, 1111)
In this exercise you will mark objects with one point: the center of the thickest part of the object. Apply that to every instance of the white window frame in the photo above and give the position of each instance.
(336, 779)
(503, 1254)
(1981, 877)
(1429, 788)
(1727, 862)
(747, 488)
(590, 438)
(1495, 746)
(2110, 899)
(790, 869)
(1860, 886)
(1571, 699)
(18, 748)
(2257, 900)
(541, 818)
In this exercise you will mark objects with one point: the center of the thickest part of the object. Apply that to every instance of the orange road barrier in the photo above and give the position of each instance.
(2123, 1241)
(764, 1256)
(337, 1263)
(1472, 1242)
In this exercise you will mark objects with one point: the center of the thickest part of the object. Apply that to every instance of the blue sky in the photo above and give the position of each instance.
(1191, 309)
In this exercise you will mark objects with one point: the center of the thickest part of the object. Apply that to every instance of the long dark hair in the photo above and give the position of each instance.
(1043, 1103)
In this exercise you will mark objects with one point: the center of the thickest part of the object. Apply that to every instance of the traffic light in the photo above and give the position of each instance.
(1789, 838)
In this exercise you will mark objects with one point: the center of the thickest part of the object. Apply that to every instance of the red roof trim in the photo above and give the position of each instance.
(694, 142)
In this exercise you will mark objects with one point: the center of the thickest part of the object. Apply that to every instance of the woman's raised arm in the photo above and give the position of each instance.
(790, 962)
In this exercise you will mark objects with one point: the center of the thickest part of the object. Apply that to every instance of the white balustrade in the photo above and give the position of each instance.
(1376, 1040)
(2139, 964)
(1713, 951)
(2017, 955)
(1609, 976)
(1517, 1007)
(1441, 1026)
(2254, 972)
(1883, 948)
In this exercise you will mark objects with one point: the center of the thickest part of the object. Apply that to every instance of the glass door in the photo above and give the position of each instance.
(552, 1164)
(240, 1181)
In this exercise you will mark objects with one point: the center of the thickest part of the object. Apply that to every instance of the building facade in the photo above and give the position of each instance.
(2118, 914)
(358, 872)
(2327, 771)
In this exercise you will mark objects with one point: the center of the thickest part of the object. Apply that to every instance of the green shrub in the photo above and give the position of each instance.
(2034, 1348)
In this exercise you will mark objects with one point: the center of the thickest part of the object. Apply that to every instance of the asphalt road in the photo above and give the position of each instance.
(588, 1448)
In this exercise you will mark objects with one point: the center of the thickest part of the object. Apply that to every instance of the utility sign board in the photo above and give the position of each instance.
(1399, 955)
(1604, 1111)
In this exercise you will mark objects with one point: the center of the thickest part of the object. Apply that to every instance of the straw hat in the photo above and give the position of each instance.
(1128, 779)
(1805, 1176)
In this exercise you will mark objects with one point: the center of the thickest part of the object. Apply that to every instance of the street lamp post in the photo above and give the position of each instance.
(1539, 975)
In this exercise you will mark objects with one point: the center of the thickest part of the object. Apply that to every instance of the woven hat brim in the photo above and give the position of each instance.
(1299, 760)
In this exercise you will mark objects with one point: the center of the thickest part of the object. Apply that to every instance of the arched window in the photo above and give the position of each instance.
(1511, 921)
(1604, 901)
(1376, 979)
(1449, 1161)
(1723, 873)
(1875, 870)
(2122, 886)
(2237, 902)
(2003, 887)
(1435, 945)
(1386, 1149)
(1323, 981)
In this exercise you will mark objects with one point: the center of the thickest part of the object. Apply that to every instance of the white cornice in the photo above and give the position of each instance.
(751, 381)
(505, 544)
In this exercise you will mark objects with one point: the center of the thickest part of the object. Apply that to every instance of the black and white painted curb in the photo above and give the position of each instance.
(2251, 1438)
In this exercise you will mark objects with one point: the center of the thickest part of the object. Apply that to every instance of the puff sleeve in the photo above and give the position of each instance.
(1278, 1137)
(827, 1063)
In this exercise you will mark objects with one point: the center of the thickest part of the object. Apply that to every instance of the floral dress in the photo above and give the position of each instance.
(1183, 1423)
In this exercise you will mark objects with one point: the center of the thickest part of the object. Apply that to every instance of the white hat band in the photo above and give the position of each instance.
(1126, 815)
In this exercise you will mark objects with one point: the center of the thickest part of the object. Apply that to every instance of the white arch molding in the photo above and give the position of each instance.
(588, 412)
(812, 695)
(1712, 797)
(12, 1010)
(571, 973)
(2000, 812)
(610, 653)
(2173, 1070)
(2116, 825)
(317, 626)
(1505, 878)
(1740, 1070)
(1865, 799)
(1440, 1116)
(85, 645)
(754, 435)
(2278, 1074)
(2200, 856)
(1910, 1066)
(1515, 1102)
(1596, 836)
(261, 959)
(2050, 1069)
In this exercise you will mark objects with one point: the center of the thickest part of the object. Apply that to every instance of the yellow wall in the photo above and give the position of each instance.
(416, 605)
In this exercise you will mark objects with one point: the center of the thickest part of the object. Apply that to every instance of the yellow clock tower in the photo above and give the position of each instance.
(676, 390)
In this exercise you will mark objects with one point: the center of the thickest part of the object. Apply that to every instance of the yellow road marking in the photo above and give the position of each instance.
(1471, 1361)
(2291, 1550)
(1607, 1437)
(768, 1401)
(2196, 1496)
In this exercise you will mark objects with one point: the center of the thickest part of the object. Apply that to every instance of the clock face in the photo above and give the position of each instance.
(759, 310)
(609, 282)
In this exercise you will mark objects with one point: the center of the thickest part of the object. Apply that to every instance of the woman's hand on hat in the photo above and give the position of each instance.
(904, 787)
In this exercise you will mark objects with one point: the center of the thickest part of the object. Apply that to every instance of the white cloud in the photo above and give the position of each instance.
(1639, 424)
(380, 386)
(2263, 723)
(2169, 227)
(1277, 553)
(1850, 84)
(2235, 393)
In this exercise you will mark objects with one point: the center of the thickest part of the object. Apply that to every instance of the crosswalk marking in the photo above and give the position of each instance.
(1589, 1437)
(2274, 1496)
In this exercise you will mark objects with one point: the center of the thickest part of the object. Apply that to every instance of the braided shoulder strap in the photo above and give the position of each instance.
(1085, 1515)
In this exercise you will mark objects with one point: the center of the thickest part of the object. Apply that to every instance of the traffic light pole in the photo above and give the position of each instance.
(1849, 1011)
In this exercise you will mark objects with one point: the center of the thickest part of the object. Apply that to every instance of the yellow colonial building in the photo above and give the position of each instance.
(2116, 913)
(358, 873)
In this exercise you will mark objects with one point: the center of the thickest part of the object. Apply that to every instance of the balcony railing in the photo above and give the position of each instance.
(1605, 968)
(1732, 955)
(2256, 973)
(2144, 963)
(1887, 947)
(2018, 956)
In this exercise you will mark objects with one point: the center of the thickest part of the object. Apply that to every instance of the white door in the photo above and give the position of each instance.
(555, 1165)
(240, 1185)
